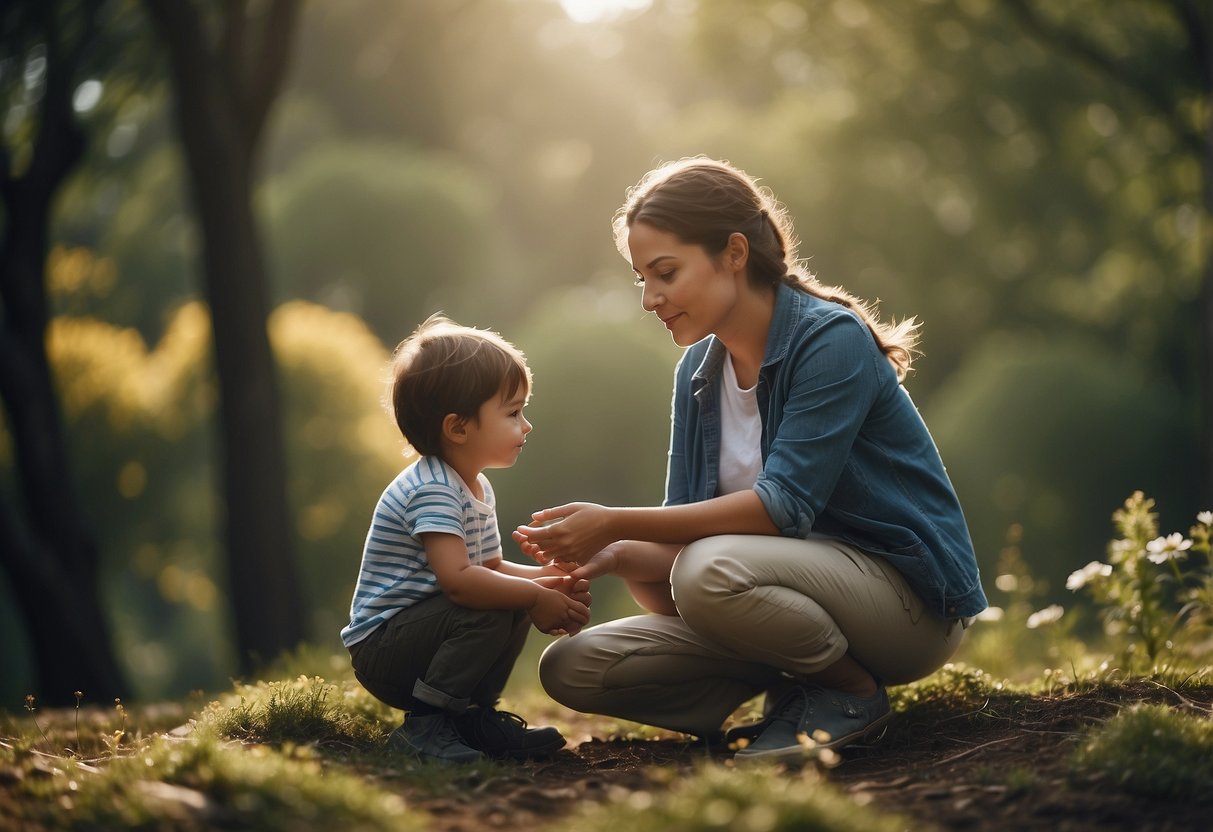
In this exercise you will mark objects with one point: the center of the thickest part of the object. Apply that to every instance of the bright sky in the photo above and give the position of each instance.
(593, 11)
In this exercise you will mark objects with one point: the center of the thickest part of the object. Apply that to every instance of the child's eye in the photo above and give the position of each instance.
(638, 280)
(666, 276)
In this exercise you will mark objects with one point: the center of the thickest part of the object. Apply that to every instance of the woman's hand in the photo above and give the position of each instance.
(602, 563)
(581, 531)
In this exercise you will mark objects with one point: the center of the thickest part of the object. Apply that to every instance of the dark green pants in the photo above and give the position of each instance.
(441, 654)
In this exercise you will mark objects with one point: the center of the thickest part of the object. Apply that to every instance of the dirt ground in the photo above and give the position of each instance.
(1004, 767)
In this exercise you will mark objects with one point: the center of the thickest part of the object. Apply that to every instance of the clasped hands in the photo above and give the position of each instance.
(567, 537)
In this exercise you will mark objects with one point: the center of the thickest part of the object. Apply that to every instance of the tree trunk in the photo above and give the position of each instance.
(52, 558)
(221, 106)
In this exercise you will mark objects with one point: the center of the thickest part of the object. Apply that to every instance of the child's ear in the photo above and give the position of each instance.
(454, 429)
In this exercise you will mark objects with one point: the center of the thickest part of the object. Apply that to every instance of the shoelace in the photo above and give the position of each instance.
(506, 716)
(792, 706)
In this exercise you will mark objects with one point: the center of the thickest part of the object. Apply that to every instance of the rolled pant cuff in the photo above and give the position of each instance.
(435, 697)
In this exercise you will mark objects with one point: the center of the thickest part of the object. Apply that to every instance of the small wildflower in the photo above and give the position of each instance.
(804, 740)
(820, 736)
(1048, 615)
(1205, 518)
(1081, 577)
(1163, 549)
(29, 701)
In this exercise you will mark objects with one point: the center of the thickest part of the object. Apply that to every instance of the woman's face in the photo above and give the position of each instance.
(690, 292)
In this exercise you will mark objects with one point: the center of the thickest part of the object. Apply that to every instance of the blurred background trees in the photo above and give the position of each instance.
(964, 161)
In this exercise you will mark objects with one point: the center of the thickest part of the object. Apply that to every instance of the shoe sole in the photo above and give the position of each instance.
(799, 753)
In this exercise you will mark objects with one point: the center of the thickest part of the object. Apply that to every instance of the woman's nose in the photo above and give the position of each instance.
(649, 297)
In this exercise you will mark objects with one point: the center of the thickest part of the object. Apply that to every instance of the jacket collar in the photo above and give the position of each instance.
(788, 302)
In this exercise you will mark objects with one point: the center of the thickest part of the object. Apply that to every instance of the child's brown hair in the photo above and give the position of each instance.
(447, 368)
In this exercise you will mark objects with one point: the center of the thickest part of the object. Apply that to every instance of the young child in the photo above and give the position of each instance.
(438, 616)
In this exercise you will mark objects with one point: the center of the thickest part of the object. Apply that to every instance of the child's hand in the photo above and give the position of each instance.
(576, 588)
(555, 613)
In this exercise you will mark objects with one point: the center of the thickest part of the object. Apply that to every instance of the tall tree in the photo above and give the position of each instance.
(50, 549)
(1179, 90)
(228, 64)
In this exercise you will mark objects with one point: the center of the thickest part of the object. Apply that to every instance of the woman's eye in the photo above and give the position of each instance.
(666, 276)
(638, 280)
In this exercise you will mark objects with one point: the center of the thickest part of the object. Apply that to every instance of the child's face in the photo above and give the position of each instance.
(497, 435)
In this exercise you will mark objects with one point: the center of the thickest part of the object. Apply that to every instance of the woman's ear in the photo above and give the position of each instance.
(737, 251)
(454, 428)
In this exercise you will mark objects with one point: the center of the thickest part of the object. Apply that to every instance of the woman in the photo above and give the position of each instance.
(810, 544)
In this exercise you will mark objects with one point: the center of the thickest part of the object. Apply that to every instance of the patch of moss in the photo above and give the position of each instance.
(749, 799)
(1153, 751)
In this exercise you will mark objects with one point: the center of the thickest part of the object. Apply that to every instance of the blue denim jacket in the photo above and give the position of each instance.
(845, 452)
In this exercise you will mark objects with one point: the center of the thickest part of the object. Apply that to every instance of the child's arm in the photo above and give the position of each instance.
(478, 587)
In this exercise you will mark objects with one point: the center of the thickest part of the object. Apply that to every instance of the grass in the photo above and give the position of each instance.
(1152, 751)
(749, 799)
(302, 752)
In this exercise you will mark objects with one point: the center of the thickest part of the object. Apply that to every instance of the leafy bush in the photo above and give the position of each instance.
(1153, 588)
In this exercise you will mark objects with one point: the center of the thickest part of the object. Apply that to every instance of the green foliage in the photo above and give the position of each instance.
(139, 425)
(749, 799)
(1035, 434)
(1155, 590)
(1153, 751)
(1020, 634)
(343, 448)
(383, 231)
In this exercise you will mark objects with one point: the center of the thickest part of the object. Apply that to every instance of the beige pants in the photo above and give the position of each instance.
(754, 611)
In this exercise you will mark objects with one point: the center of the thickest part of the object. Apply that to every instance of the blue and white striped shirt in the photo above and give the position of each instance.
(428, 496)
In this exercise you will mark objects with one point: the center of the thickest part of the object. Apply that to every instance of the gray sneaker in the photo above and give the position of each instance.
(830, 718)
(432, 737)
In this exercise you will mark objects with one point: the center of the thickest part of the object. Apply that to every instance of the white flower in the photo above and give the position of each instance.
(1088, 573)
(1205, 518)
(1163, 549)
(1048, 615)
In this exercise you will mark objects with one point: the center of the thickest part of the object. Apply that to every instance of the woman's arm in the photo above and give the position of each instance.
(584, 529)
(644, 567)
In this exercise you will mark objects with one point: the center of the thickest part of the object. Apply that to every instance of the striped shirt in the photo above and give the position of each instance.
(428, 496)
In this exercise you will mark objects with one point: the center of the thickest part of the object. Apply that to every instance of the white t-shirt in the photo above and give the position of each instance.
(740, 434)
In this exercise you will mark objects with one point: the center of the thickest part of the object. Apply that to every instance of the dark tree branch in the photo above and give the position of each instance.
(273, 52)
(1154, 96)
(1197, 29)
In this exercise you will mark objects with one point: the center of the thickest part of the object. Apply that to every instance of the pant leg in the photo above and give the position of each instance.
(436, 652)
(489, 690)
(652, 669)
(800, 605)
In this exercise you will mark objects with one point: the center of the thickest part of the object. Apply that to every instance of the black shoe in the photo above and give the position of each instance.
(746, 732)
(809, 717)
(432, 737)
(503, 734)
